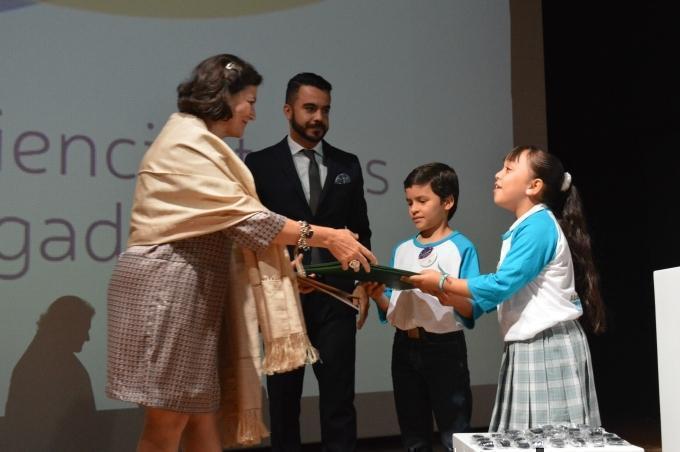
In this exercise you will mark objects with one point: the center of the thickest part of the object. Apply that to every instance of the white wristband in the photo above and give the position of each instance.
(442, 281)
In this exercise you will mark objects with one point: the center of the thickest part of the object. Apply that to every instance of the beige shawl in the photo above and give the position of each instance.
(191, 183)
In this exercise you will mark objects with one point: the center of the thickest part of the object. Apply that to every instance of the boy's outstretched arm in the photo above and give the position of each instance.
(377, 292)
(361, 301)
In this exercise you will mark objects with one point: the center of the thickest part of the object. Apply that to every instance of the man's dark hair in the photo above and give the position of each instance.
(442, 178)
(207, 92)
(305, 79)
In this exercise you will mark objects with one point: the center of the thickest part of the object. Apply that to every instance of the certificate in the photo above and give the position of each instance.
(389, 276)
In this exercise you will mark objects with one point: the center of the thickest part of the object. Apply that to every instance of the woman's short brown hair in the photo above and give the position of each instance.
(207, 92)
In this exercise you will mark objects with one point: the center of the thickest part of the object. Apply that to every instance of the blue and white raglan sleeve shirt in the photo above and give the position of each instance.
(534, 281)
(455, 255)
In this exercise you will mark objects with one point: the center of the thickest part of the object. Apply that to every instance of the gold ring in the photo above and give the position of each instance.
(355, 265)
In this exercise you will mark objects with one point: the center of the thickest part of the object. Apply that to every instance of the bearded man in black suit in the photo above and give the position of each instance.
(305, 178)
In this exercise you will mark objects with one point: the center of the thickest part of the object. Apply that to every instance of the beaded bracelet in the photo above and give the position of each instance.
(442, 281)
(306, 232)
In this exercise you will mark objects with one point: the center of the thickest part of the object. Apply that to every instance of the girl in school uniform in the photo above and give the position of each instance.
(544, 287)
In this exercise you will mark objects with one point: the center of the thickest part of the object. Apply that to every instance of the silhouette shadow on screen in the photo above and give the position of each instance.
(50, 404)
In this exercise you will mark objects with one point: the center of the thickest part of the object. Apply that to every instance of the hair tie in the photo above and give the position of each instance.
(566, 182)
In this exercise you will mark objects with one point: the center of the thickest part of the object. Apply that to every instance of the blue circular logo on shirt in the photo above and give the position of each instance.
(425, 252)
(427, 257)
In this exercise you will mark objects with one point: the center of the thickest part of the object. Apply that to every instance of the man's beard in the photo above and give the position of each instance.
(302, 129)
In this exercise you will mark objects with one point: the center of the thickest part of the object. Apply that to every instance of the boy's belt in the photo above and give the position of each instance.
(414, 333)
(421, 333)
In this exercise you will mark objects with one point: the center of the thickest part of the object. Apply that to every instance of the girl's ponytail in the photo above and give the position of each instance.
(573, 223)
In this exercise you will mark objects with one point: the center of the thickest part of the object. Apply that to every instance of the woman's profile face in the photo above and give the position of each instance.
(243, 111)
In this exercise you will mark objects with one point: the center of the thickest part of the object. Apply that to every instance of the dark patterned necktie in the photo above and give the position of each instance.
(314, 180)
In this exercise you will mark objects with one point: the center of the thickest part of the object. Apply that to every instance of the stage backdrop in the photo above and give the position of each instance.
(86, 85)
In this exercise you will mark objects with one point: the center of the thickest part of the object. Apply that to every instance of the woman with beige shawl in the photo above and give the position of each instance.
(206, 279)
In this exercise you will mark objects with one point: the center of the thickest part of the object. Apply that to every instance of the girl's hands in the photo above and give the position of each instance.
(427, 281)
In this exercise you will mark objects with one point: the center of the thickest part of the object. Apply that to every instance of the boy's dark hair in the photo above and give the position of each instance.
(442, 179)
(207, 92)
(305, 79)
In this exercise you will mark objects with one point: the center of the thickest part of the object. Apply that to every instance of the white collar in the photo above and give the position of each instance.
(295, 147)
(533, 210)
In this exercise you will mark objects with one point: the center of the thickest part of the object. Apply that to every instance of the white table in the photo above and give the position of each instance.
(463, 442)
(666, 297)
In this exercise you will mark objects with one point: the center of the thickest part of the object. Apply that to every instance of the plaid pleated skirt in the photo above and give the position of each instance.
(165, 305)
(546, 380)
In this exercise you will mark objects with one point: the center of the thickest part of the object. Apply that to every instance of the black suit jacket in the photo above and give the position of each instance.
(342, 203)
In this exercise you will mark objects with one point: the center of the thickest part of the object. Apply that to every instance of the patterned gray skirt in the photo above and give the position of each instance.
(546, 380)
(165, 305)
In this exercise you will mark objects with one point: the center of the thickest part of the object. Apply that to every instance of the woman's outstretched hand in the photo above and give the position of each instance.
(343, 244)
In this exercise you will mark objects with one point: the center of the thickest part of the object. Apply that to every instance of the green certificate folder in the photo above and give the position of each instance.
(389, 276)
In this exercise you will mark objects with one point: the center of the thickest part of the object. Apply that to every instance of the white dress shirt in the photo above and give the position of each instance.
(302, 163)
